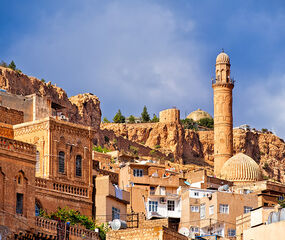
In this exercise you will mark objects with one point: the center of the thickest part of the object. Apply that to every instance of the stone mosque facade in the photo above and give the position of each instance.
(239, 168)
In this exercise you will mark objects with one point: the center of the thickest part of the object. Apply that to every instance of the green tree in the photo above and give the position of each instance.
(132, 119)
(155, 118)
(145, 115)
(282, 202)
(105, 120)
(12, 65)
(206, 122)
(3, 64)
(188, 123)
(119, 118)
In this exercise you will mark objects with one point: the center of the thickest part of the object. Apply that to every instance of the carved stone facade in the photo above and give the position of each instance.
(17, 187)
(223, 117)
(64, 163)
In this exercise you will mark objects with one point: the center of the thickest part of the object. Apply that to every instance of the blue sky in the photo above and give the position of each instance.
(158, 53)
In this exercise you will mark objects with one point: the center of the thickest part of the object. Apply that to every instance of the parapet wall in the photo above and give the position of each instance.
(169, 116)
(149, 233)
(11, 116)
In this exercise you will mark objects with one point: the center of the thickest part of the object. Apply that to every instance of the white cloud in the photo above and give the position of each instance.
(267, 104)
(129, 53)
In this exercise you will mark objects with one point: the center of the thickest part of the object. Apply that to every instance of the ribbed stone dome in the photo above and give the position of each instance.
(199, 114)
(223, 58)
(241, 168)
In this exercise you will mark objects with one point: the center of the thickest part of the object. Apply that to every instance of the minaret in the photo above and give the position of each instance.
(223, 115)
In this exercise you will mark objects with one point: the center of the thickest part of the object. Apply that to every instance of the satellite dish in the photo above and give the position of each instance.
(187, 183)
(224, 188)
(282, 214)
(117, 224)
(184, 231)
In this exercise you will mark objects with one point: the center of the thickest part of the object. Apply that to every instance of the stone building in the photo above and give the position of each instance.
(218, 212)
(190, 218)
(64, 163)
(263, 223)
(47, 163)
(17, 184)
(111, 201)
(154, 190)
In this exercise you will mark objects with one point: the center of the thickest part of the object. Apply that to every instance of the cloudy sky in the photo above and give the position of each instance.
(158, 53)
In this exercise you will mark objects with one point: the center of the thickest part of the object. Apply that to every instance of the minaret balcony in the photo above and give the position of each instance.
(230, 81)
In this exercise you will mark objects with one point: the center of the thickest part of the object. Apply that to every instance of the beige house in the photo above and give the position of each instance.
(264, 223)
(190, 217)
(252, 219)
(218, 212)
(154, 189)
(111, 201)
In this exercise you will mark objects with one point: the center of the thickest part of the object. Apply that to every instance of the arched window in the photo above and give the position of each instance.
(37, 161)
(38, 208)
(78, 170)
(19, 179)
(61, 161)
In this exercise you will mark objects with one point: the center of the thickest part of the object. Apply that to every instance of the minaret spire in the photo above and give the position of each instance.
(223, 116)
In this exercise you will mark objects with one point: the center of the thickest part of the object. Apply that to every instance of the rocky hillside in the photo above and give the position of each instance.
(83, 108)
(158, 140)
(191, 147)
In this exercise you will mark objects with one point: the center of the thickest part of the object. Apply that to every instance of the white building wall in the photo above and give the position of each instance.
(162, 209)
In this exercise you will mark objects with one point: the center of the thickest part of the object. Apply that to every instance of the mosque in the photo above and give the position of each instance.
(240, 168)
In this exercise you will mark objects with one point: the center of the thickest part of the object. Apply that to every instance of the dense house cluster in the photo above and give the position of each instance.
(47, 162)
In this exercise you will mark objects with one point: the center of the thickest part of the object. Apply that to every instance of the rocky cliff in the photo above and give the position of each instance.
(191, 147)
(83, 108)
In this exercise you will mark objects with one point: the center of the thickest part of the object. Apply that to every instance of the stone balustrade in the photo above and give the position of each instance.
(81, 191)
(41, 182)
(17, 146)
(50, 227)
(61, 187)
(47, 225)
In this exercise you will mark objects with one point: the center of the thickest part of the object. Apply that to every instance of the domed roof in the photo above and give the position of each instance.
(199, 114)
(241, 168)
(223, 58)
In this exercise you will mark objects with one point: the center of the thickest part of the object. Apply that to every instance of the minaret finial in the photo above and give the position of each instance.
(223, 50)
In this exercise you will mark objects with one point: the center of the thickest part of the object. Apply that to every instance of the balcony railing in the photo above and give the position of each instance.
(50, 226)
(218, 81)
(17, 146)
(61, 187)
(172, 181)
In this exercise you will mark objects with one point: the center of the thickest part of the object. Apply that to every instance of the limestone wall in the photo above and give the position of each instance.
(11, 116)
(169, 115)
(150, 233)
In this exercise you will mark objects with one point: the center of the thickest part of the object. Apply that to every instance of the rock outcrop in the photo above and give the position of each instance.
(83, 108)
(191, 147)
(164, 137)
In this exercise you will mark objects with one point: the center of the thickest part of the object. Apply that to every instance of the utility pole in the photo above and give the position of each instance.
(210, 226)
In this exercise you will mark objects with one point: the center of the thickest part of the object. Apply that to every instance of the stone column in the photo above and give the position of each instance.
(223, 116)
